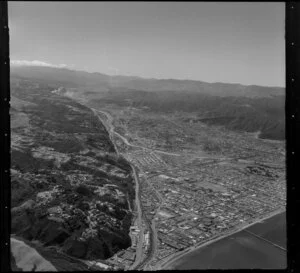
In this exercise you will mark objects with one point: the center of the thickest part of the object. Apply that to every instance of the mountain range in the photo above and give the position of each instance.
(102, 82)
(237, 107)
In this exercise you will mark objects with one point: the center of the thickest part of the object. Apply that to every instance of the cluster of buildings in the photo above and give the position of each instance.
(123, 259)
(215, 200)
(145, 159)
(194, 199)
(126, 258)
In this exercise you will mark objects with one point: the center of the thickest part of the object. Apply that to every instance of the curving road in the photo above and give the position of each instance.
(139, 220)
(112, 129)
(141, 263)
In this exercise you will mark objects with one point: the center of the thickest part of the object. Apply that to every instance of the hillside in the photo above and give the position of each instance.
(265, 115)
(102, 82)
(70, 190)
(252, 108)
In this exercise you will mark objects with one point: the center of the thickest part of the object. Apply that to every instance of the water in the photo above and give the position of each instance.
(273, 229)
(242, 250)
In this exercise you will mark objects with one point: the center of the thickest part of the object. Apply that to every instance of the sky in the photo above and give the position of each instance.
(208, 41)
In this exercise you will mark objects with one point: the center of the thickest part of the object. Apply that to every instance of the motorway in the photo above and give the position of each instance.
(140, 263)
(153, 234)
(112, 129)
(139, 220)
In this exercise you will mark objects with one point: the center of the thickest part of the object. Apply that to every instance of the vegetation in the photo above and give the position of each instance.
(56, 167)
(83, 190)
(249, 114)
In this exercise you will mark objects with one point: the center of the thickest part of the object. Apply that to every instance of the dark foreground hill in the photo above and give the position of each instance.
(70, 190)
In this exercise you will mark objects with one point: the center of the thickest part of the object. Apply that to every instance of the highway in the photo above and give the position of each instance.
(140, 263)
(112, 129)
(139, 220)
(216, 159)
(153, 234)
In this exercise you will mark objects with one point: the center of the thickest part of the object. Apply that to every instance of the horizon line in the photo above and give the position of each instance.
(37, 63)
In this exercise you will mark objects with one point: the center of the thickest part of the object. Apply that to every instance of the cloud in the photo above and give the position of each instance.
(35, 63)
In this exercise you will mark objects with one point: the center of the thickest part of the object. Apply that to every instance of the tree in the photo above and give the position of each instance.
(83, 190)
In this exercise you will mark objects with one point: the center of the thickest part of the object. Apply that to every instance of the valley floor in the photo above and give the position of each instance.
(198, 183)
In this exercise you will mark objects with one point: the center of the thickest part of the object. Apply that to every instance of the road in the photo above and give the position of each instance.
(139, 262)
(107, 124)
(166, 262)
(112, 128)
(153, 234)
(139, 220)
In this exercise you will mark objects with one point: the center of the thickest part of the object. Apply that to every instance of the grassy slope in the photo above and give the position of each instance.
(54, 123)
(237, 113)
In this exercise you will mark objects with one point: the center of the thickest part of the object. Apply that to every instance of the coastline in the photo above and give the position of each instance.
(163, 265)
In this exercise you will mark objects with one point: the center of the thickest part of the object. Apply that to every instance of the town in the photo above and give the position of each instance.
(192, 195)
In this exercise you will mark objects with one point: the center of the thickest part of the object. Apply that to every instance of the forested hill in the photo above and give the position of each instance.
(259, 114)
(69, 188)
(235, 106)
(101, 82)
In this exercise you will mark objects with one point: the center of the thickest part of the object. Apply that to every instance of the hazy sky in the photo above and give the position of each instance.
(214, 42)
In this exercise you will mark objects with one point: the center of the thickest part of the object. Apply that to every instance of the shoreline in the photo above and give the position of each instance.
(168, 261)
(163, 265)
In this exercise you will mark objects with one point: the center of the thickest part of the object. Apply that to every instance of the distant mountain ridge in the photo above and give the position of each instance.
(237, 107)
(102, 82)
(248, 114)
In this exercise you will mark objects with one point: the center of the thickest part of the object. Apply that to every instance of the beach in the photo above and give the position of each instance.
(173, 259)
